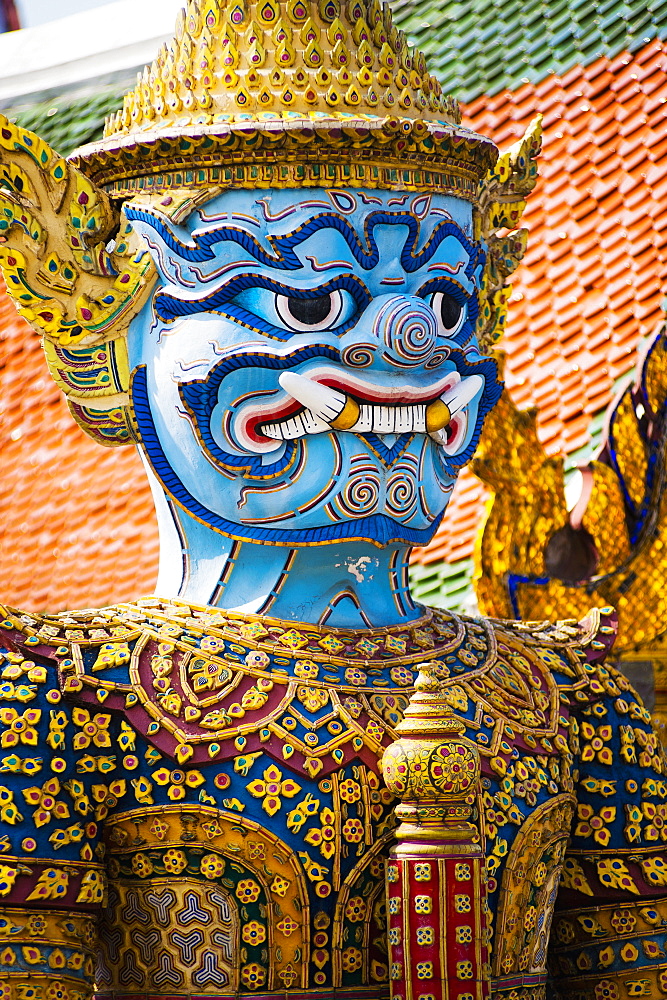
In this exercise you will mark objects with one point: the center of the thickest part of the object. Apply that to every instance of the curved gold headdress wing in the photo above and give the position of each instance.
(75, 271)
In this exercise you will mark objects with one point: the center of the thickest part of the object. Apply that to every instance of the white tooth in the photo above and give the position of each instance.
(365, 421)
(404, 419)
(272, 431)
(419, 417)
(295, 427)
(462, 393)
(325, 403)
(384, 420)
(313, 424)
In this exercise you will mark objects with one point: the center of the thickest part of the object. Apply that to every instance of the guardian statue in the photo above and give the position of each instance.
(280, 275)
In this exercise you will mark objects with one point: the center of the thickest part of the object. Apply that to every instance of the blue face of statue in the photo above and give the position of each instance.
(307, 368)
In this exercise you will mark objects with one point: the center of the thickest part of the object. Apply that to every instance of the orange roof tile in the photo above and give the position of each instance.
(77, 522)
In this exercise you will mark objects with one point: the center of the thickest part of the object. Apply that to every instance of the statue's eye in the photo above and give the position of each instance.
(449, 311)
(319, 312)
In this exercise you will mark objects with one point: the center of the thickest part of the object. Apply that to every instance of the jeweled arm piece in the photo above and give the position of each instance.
(435, 891)
(46, 955)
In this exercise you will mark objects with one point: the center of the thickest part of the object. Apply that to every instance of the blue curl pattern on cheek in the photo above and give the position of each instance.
(200, 399)
(378, 529)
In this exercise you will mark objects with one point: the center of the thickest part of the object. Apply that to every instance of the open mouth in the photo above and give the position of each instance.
(327, 400)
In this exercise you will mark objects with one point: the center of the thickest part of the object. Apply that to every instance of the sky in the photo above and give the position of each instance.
(32, 12)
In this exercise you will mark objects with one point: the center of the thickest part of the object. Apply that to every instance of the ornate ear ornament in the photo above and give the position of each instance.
(76, 272)
(500, 205)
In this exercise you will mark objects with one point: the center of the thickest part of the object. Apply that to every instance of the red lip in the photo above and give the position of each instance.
(366, 393)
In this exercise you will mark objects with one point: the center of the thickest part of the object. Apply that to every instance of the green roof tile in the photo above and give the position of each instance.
(478, 47)
(444, 585)
(67, 121)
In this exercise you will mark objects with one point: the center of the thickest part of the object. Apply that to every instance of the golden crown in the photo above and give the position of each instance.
(287, 93)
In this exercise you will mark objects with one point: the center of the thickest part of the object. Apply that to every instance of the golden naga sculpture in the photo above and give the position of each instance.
(536, 555)
(277, 275)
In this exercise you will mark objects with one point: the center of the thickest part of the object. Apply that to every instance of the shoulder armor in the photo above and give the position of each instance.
(202, 684)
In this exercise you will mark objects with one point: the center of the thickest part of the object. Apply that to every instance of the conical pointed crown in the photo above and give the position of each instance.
(287, 93)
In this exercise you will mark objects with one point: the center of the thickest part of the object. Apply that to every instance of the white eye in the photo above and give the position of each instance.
(449, 312)
(321, 312)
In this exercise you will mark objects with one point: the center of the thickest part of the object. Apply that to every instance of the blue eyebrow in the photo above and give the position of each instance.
(168, 307)
(366, 254)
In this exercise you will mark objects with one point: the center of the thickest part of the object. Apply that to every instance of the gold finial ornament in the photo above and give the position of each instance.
(435, 873)
(433, 769)
(287, 93)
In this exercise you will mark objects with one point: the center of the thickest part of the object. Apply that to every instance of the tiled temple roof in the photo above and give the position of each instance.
(77, 520)
(477, 49)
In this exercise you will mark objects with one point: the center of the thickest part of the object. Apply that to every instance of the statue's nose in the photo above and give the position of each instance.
(400, 329)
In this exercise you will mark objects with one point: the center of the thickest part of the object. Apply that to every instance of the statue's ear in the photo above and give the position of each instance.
(500, 205)
(69, 258)
(76, 272)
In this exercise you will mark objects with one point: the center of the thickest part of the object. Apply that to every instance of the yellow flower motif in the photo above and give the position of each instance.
(212, 866)
(596, 826)
(312, 699)
(175, 861)
(93, 730)
(253, 933)
(253, 976)
(324, 837)
(350, 791)
(21, 727)
(594, 746)
(306, 670)
(247, 890)
(142, 865)
(178, 779)
(355, 909)
(45, 802)
(271, 788)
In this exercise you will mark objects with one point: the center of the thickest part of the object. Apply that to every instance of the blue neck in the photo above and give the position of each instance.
(338, 584)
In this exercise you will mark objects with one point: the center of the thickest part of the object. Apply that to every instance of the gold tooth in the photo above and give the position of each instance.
(438, 416)
(348, 416)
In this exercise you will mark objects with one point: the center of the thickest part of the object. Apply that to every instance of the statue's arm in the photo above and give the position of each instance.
(609, 938)
(51, 878)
